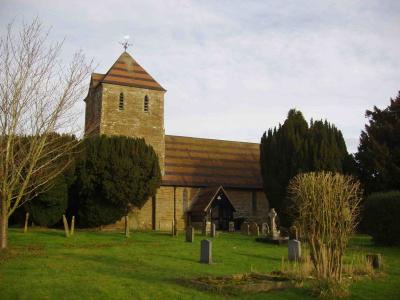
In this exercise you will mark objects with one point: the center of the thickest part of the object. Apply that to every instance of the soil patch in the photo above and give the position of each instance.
(245, 283)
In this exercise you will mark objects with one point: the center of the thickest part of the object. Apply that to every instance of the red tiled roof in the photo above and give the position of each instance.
(126, 71)
(204, 198)
(206, 162)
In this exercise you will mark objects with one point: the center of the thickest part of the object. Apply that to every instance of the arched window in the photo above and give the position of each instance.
(121, 101)
(185, 201)
(146, 104)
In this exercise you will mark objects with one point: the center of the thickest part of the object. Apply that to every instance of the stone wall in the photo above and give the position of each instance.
(133, 120)
(164, 208)
(93, 111)
(243, 203)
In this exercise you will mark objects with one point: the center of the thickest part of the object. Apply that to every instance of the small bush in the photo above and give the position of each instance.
(381, 217)
(47, 208)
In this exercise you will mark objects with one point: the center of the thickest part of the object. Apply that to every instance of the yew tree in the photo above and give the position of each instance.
(114, 174)
(297, 147)
(378, 155)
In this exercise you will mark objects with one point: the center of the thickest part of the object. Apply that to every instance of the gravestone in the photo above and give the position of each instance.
(206, 227)
(189, 234)
(294, 250)
(264, 228)
(253, 228)
(274, 232)
(213, 232)
(206, 252)
(293, 233)
(375, 260)
(231, 226)
(245, 228)
(173, 229)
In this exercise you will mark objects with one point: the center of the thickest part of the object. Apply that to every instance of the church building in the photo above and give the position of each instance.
(202, 179)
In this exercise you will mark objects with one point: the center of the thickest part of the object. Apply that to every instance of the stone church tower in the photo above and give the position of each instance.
(203, 180)
(127, 101)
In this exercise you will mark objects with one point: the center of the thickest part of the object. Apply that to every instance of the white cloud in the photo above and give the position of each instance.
(234, 68)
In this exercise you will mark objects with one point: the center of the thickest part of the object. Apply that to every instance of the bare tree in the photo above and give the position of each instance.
(37, 94)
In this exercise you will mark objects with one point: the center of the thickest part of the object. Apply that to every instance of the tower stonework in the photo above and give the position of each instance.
(127, 101)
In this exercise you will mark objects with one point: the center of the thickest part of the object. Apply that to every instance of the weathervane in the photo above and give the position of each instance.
(125, 43)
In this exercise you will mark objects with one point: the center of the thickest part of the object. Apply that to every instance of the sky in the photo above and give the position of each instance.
(233, 69)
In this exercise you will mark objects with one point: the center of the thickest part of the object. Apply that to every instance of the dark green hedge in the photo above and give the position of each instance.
(113, 175)
(381, 217)
(47, 208)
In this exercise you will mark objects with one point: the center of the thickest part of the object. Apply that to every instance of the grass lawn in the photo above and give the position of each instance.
(43, 264)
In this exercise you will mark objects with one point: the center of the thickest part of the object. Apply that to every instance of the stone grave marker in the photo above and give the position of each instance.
(375, 260)
(231, 226)
(173, 229)
(206, 252)
(293, 233)
(189, 234)
(273, 230)
(254, 230)
(294, 250)
(206, 227)
(213, 232)
(264, 229)
(245, 228)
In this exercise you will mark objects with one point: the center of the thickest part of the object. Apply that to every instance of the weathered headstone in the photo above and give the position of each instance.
(375, 260)
(73, 225)
(245, 228)
(274, 232)
(213, 232)
(189, 234)
(293, 233)
(127, 233)
(66, 228)
(294, 250)
(206, 252)
(26, 222)
(206, 227)
(264, 228)
(254, 230)
(173, 229)
(231, 226)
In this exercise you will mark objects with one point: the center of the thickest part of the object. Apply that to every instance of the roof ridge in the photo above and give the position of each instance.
(209, 139)
(128, 72)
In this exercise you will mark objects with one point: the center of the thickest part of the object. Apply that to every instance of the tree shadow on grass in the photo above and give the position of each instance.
(258, 256)
(192, 260)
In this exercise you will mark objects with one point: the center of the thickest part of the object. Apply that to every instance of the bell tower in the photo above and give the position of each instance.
(127, 101)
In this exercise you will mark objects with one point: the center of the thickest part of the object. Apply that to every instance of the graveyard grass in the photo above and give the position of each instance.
(43, 264)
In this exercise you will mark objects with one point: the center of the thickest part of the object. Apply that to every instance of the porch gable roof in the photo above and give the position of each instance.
(205, 197)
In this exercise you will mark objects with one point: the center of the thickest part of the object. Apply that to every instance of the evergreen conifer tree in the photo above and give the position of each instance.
(295, 147)
(378, 155)
(114, 174)
(47, 208)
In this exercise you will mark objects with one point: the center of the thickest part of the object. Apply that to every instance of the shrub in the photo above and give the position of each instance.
(381, 217)
(48, 207)
(326, 206)
(113, 175)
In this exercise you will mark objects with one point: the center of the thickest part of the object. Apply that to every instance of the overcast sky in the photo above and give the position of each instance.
(233, 69)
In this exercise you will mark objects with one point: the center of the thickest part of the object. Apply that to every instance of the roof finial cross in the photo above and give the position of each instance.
(125, 43)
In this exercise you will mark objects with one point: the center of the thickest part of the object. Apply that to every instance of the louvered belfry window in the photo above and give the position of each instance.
(121, 101)
(146, 104)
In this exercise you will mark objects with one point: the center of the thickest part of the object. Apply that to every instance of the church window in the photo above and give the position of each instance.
(121, 101)
(254, 202)
(146, 104)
